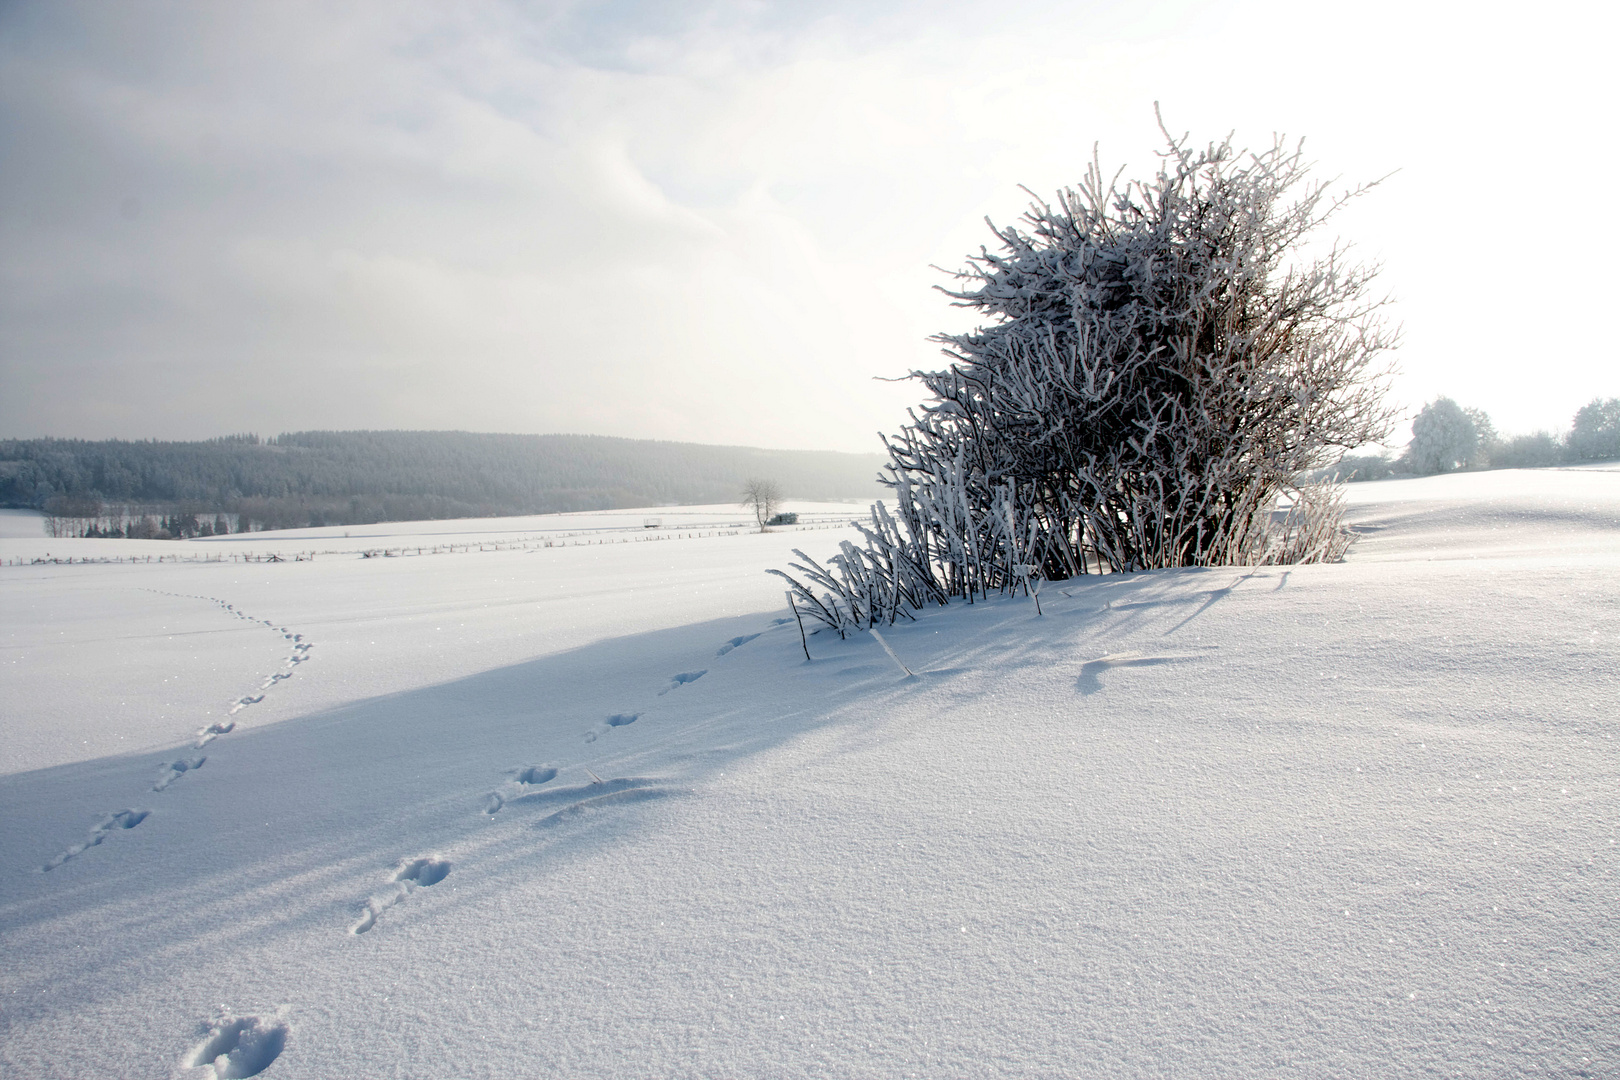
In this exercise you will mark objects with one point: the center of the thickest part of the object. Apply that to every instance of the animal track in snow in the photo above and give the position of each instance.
(122, 819)
(239, 1046)
(682, 679)
(174, 770)
(217, 728)
(411, 875)
(735, 643)
(299, 654)
(536, 774)
(529, 776)
(171, 771)
(424, 872)
(616, 720)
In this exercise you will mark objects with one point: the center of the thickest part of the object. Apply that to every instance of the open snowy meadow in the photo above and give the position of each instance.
(562, 797)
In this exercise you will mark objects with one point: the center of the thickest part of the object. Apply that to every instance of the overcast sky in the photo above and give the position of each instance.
(714, 222)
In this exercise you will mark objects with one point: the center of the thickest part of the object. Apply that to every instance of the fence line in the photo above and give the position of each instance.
(686, 532)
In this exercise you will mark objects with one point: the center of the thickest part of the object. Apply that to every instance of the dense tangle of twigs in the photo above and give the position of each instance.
(1160, 362)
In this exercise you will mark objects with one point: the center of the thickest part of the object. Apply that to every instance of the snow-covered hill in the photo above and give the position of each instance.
(586, 810)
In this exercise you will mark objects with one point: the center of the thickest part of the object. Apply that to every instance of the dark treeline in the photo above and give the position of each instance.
(357, 477)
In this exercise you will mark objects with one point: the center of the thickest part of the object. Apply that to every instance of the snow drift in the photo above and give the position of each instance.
(605, 819)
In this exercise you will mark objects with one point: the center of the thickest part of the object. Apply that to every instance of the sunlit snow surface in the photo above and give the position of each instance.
(585, 811)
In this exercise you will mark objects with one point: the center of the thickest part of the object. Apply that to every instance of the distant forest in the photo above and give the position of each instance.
(358, 477)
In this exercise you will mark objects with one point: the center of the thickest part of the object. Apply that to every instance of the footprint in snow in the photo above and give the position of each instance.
(682, 679)
(112, 823)
(411, 875)
(174, 770)
(424, 872)
(525, 780)
(238, 1046)
(214, 731)
(734, 643)
(616, 720)
(220, 727)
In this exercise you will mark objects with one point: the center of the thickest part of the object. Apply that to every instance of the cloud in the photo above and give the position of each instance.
(711, 223)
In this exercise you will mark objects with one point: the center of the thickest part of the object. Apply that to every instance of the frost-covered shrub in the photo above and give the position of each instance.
(1596, 434)
(1158, 363)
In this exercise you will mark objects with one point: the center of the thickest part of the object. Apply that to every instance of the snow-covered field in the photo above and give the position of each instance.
(585, 810)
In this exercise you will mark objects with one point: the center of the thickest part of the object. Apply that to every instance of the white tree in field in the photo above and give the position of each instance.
(762, 497)
(1596, 432)
(1485, 438)
(1158, 363)
(1444, 437)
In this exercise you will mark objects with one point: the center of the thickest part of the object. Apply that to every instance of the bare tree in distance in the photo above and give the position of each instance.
(762, 497)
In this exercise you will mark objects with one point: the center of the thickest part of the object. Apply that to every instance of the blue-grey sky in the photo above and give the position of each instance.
(715, 222)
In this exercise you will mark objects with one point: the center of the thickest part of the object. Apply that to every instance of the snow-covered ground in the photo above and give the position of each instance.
(1352, 820)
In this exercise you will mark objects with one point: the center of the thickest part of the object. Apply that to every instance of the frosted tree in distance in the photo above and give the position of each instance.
(1596, 433)
(1159, 362)
(1445, 436)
